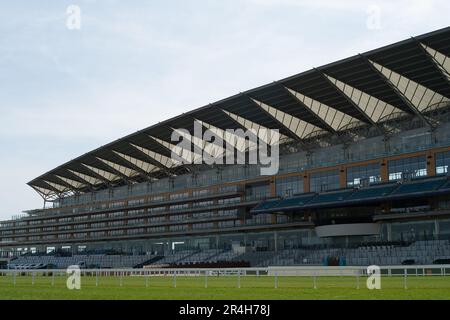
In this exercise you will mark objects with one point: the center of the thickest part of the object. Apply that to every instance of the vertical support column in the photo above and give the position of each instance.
(342, 177)
(384, 171)
(389, 231)
(215, 190)
(306, 183)
(273, 218)
(166, 197)
(273, 187)
(431, 164)
(190, 205)
(243, 200)
(275, 241)
(436, 230)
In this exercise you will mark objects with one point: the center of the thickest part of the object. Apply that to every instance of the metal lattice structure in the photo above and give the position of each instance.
(376, 92)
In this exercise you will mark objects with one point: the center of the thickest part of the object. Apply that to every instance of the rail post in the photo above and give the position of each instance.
(239, 279)
(405, 285)
(315, 280)
(357, 278)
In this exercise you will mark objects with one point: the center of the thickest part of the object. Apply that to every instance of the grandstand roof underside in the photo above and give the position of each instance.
(407, 78)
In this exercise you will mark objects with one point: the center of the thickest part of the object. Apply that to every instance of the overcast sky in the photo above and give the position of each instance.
(64, 92)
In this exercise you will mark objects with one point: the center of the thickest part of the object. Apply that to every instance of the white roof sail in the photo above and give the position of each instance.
(44, 191)
(333, 117)
(238, 142)
(145, 166)
(420, 96)
(89, 179)
(58, 187)
(73, 183)
(122, 169)
(301, 128)
(441, 60)
(105, 174)
(259, 129)
(373, 107)
(165, 161)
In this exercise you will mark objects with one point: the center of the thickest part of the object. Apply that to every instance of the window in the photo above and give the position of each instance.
(257, 191)
(323, 181)
(226, 224)
(201, 215)
(136, 231)
(136, 221)
(199, 193)
(229, 200)
(208, 225)
(203, 204)
(407, 168)
(286, 187)
(135, 212)
(368, 174)
(442, 162)
(157, 229)
(179, 217)
(176, 207)
(232, 212)
(182, 227)
(178, 196)
(135, 202)
(116, 214)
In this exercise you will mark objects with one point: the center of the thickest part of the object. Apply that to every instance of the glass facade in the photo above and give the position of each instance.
(407, 167)
(323, 181)
(413, 231)
(368, 174)
(286, 187)
(258, 191)
(407, 141)
(442, 163)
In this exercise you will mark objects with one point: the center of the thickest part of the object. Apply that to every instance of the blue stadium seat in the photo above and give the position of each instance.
(277, 204)
(419, 186)
(373, 192)
(333, 196)
(266, 205)
(446, 185)
(297, 201)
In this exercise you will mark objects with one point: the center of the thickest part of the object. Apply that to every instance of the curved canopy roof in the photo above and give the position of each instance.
(405, 78)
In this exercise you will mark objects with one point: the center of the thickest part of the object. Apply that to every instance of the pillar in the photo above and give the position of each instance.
(384, 171)
(306, 183)
(431, 164)
(343, 177)
(275, 241)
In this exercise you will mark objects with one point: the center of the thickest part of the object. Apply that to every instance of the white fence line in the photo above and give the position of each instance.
(442, 270)
(299, 271)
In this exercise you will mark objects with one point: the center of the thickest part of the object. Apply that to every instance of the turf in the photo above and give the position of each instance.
(224, 287)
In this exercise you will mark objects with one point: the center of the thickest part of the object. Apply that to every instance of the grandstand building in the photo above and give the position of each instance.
(363, 176)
